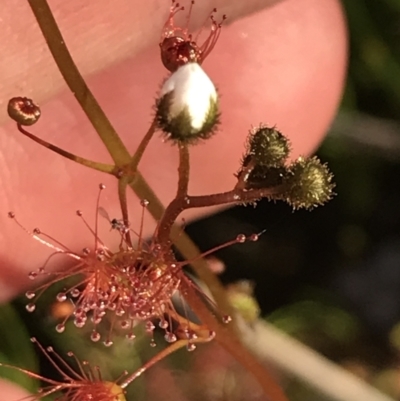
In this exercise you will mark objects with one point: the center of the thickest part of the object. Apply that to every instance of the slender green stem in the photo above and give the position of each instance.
(157, 358)
(142, 146)
(183, 171)
(77, 84)
(161, 355)
(104, 168)
(163, 234)
(122, 184)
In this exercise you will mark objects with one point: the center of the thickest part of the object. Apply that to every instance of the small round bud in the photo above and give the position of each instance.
(176, 51)
(23, 110)
(187, 109)
(268, 146)
(179, 47)
(309, 183)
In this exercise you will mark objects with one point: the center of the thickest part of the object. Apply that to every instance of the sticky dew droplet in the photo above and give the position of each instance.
(60, 328)
(191, 347)
(226, 319)
(149, 327)
(241, 238)
(254, 237)
(130, 336)
(32, 275)
(95, 336)
(170, 337)
(79, 322)
(163, 324)
(61, 297)
(124, 324)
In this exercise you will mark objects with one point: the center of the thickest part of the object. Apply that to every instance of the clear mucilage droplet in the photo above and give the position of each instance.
(60, 328)
(30, 307)
(241, 238)
(170, 337)
(95, 336)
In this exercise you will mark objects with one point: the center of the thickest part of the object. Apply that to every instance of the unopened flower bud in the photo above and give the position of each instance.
(309, 183)
(268, 147)
(187, 108)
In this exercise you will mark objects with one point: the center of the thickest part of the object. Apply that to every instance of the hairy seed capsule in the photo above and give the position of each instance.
(268, 147)
(309, 183)
(23, 110)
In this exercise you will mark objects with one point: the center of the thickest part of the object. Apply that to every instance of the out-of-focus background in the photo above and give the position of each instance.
(330, 277)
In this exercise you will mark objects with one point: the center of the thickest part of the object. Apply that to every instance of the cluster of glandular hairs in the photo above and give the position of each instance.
(177, 45)
(128, 286)
(84, 384)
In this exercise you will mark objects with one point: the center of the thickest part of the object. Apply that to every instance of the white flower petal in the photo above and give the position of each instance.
(193, 90)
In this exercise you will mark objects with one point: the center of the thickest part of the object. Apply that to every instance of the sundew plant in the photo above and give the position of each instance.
(111, 291)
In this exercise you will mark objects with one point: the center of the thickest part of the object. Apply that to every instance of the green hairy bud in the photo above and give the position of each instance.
(268, 147)
(309, 183)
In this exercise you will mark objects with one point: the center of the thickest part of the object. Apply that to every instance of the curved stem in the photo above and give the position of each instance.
(104, 168)
(142, 146)
(183, 171)
(161, 355)
(122, 184)
(181, 203)
(77, 84)
(163, 232)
